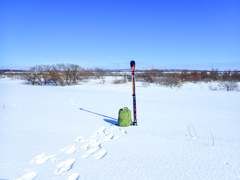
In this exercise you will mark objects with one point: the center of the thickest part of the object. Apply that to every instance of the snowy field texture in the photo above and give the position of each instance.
(54, 132)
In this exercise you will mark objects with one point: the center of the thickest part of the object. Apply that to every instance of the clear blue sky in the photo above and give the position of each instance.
(110, 33)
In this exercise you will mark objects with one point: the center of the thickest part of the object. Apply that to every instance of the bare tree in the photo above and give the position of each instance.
(66, 73)
(226, 76)
(214, 75)
(99, 73)
(55, 75)
(195, 76)
(228, 85)
(70, 73)
(31, 75)
(184, 75)
(204, 76)
(46, 75)
(235, 76)
(34, 75)
(75, 73)
(170, 81)
(39, 73)
(59, 74)
(127, 77)
(1, 74)
(151, 76)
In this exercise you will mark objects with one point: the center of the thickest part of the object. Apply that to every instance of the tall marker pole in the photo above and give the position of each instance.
(132, 64)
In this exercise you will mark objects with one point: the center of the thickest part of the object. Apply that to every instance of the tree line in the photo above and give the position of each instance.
(71, 74)
(58, 74)
(177, 78)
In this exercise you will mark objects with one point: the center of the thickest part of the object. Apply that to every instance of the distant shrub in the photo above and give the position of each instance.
(228, 86)
(145, 84)
(172, 82)
(214, 75)
(127, 77)
(169, 81)
(152, 76)
(119, 81)
(99, 73)
(160, 78)
(59, 74)
(225, 85)
(103, 81)
(2, 75)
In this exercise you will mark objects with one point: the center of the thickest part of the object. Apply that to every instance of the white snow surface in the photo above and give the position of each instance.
(54, 132)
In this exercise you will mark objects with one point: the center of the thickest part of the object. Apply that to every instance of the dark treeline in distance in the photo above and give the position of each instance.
(71, 74)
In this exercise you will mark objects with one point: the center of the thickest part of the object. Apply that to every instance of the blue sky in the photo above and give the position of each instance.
(110, 33)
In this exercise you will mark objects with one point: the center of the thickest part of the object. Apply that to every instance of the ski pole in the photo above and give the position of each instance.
(132, 64)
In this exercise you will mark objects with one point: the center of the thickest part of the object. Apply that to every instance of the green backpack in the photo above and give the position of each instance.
(124, 117)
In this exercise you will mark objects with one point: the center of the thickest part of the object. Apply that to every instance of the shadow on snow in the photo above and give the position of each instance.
(109, 120)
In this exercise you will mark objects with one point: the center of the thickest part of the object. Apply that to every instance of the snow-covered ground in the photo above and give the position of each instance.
(54, 132)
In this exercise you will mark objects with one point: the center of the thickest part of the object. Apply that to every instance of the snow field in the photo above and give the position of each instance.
(64, 132)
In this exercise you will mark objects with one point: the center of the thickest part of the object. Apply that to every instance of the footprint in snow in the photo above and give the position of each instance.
(102, 135)
(90, 152)
(74, 176)
(99, 132)
(115, 137)
(79, 139)
(101, 154)
(123, 131)
(99, 137)
(64, 166)
(118, 129)
(108, 137)
(92, 144)
(114, 128)
(28, 176)
(40, 159)
(70, 149)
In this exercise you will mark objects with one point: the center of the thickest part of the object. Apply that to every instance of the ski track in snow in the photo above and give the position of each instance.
(93, 146)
